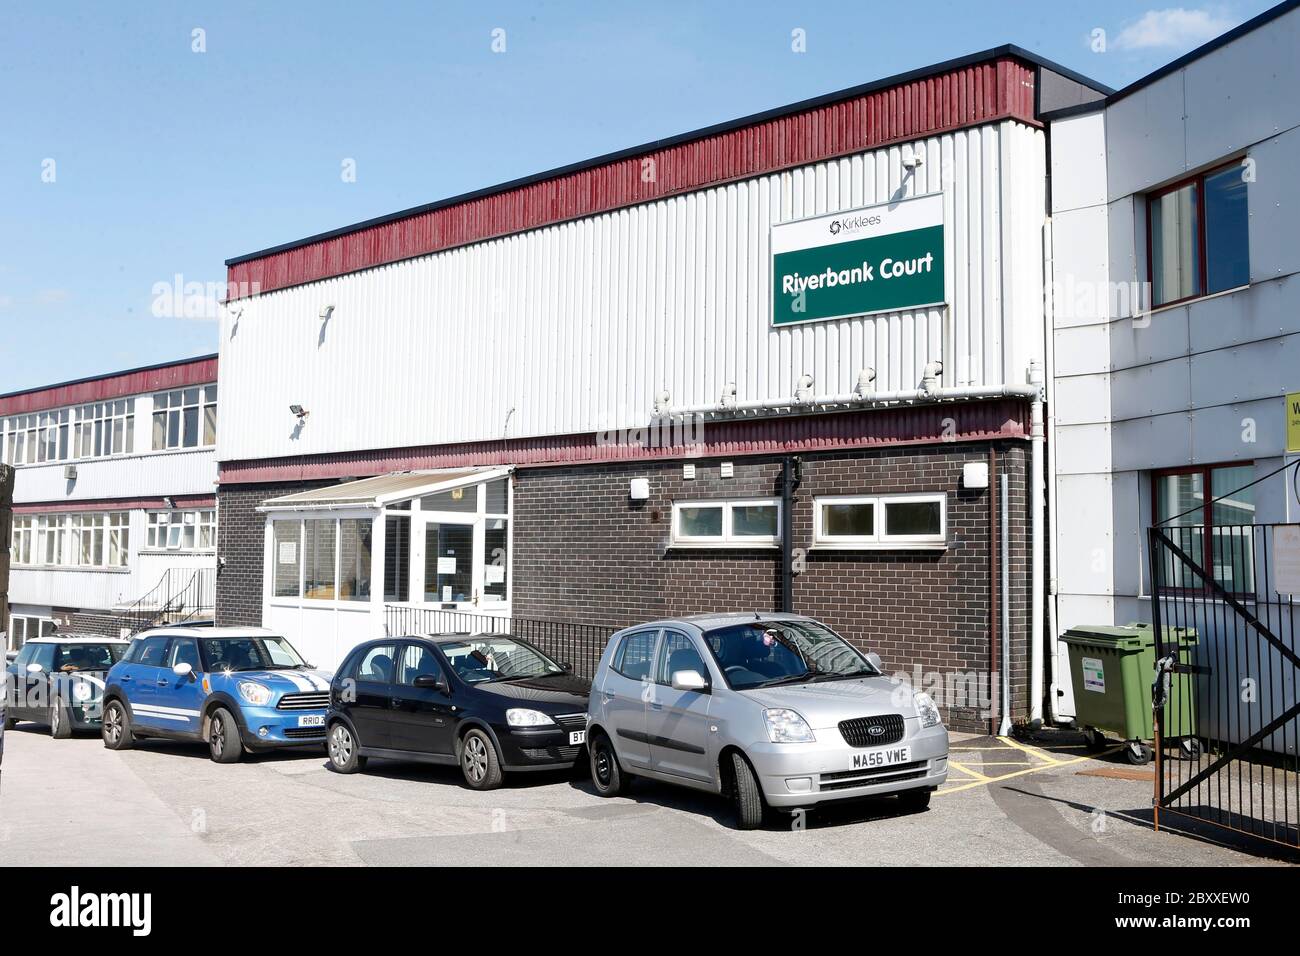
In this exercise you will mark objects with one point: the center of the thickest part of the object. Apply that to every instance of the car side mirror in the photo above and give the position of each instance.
(183, 669)
(874, 660)
(432, 682)
(34, 668)
(566, 666)
(690, 680)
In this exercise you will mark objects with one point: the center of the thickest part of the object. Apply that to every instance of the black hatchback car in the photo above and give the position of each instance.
(490, 703)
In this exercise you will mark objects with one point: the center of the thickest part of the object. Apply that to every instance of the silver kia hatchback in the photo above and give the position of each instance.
(773, 710)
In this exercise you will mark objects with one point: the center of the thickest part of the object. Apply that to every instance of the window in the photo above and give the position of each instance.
(678, 653)
(182, 530)
(635, 655)
(376, 666)
(448, 568)
(185, 650)
(21, 550)
(151, 653)
(354, 559)
(883, 521)
(36, 438)
(96, 540)
(105, 428)
(417, 661)
(1198, 236)
(1217, 536)
(24, 628)
(744, 523)
(397, 558)
(185, 418)
(322, 559)
(287, 537)
(318, 547)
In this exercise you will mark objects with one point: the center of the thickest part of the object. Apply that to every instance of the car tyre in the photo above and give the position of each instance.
(479, 762)
(343, 750)
(11, 723)
(913, 800)
(746, 795)
(116, 730)
(606, 775)
(224, 745)
(60, 722)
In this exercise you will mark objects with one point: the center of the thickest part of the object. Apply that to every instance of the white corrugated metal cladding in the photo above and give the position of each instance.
(576, 327)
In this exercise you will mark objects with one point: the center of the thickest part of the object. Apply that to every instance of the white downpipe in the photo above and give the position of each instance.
(1049, 376)
(1036, 436)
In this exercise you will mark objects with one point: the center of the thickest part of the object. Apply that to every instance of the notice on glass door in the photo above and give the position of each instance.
(446, 565)
(1286, 559)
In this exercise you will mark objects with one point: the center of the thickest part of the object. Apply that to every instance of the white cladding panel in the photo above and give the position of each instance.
(188, 472)
(576, 327)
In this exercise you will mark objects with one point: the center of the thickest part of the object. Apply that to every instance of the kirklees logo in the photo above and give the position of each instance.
(75, 909)
(852, 224)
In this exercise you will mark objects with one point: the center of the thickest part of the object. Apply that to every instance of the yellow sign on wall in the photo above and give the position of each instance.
(1293, 421)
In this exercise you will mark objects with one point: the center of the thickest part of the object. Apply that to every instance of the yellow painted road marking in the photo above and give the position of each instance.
(967, 785)
(967, 770)
(1029, 750)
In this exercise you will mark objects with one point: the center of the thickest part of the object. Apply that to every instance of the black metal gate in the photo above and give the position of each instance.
(1228, 734)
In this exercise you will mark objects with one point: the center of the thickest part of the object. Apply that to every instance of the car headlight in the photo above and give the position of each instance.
(523, 717)
(787, 727)
(926, 708)
(255, 694)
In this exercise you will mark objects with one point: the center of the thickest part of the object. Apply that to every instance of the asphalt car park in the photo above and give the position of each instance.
(1005, 802)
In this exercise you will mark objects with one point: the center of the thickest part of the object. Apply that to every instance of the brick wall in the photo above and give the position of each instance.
(585, 552)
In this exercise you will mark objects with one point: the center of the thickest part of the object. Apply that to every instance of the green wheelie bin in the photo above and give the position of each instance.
(1112, 670)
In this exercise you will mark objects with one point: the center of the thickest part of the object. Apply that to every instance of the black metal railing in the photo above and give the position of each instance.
(181, 595)
(1228, 746)
(568, 642)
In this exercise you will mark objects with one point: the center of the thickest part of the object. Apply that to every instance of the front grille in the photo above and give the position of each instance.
(571, 721)
(305, 733)
(304, 702)
(845, 779)
(855, 731)
(551, 753)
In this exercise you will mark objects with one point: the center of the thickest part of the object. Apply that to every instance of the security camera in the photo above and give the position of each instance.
(301, 412)
(913, 160)
(326, 311)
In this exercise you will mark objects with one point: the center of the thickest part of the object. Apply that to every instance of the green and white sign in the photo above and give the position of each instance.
(885, 258)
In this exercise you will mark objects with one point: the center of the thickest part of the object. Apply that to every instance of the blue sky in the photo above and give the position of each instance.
(167, 161)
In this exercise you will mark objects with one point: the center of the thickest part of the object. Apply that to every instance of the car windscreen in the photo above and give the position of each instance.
(765, 653)
(479, 659)
(248, 654)
(87, 657)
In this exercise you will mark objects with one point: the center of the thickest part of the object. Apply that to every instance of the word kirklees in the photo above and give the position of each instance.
(795, 283)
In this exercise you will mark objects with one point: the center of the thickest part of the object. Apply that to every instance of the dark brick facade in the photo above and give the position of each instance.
(584, 552)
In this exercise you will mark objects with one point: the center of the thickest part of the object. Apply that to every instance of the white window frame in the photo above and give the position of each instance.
(881, 539)
(159, 525)
(31, 531)
(728, 538)
(173, 402)
(335, 521)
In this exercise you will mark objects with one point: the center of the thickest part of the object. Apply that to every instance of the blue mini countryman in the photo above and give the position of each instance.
(237, 689)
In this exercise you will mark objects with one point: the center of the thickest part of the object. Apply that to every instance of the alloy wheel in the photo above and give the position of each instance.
(217, 738)
(113, 724)
(475, 759)
(340, 746)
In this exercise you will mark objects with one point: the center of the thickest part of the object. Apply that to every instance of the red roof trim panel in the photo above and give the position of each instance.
(973, 94)
(912, 425)
(181, 502)
(155, 378)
